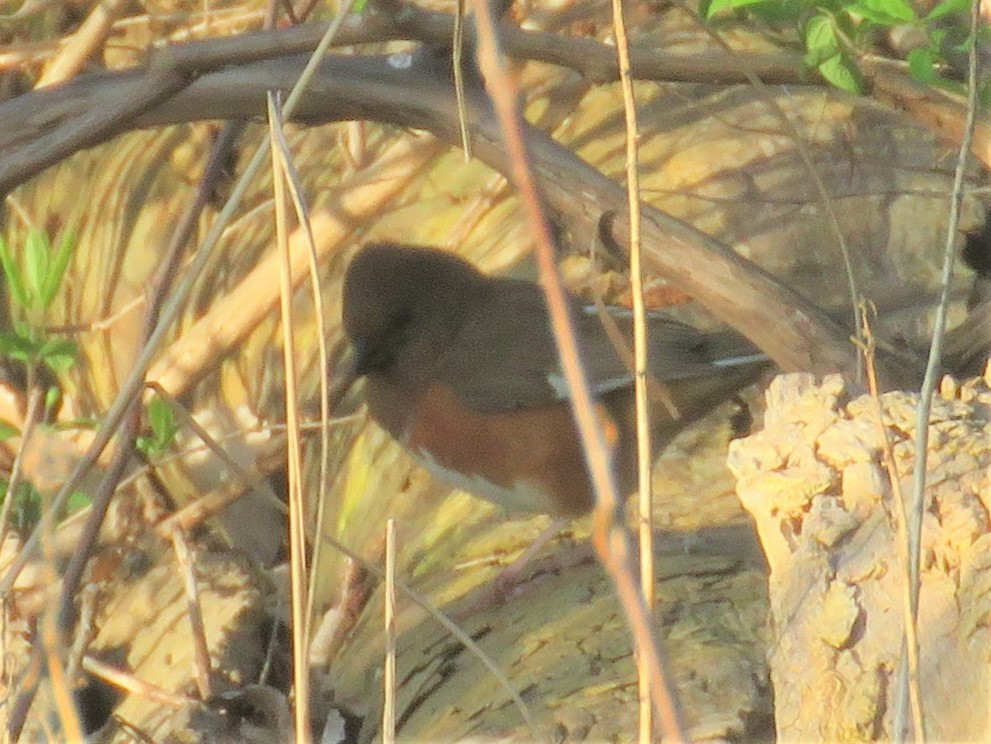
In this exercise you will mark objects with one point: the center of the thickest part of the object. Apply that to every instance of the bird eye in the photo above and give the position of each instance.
(379, 351)
(402, 320)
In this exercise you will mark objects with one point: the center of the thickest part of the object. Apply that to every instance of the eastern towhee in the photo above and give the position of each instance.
(462, 370)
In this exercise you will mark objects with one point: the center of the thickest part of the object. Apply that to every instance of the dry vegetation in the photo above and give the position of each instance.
(180, 594)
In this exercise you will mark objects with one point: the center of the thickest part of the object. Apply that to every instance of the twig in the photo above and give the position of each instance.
(234, 316)
(595, 61)
(20, 704)
(297, 509)
(611, 540)
(161, 283)
(82, 44)
(457, 59)
(795, 333)
(101, 324)
(452, 627)
(645, 460)
(130, 683)
(58, 681)
(244, 474)
(824, 196)
(106, 113)
(85, 629)
(124, 408)
(943, 113)
(31, 418)
(910, 641)
(198, 511)
(201, 652)
(933, 367)
(73, 575)
(49, 639)
(133, 384)
(55, 132)
(389, 666)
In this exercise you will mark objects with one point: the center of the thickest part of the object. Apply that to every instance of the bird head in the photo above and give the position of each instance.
(402, 305)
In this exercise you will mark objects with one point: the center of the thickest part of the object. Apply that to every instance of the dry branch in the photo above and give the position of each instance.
(795, 333)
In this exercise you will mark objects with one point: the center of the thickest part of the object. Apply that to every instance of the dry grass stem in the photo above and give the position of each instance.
(910, 647)
(59, 683)
(131, 684)
(611, 540)
(131, 387)
(234, 316)
(31, 417)
(201, 653)
(84, 43)
(453, 628)
(85, 629)
(933, 366)
(297, 508)
(389, 666)
(645, 502)
(457, 59)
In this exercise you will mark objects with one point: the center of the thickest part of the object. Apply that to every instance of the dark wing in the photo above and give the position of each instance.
(505, 358)
(675, 350)
(502, 358)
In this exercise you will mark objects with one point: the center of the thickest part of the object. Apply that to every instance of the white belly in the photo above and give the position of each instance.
(523, 497)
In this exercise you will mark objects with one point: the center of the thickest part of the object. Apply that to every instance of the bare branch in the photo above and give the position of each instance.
(416, 91)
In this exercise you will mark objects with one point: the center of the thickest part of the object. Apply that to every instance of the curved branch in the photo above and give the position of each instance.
(33, 116)
(417, 92)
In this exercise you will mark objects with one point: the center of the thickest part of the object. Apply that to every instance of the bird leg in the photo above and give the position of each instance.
(499, 589)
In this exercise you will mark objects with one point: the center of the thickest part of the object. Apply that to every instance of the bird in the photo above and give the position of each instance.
(462, 370)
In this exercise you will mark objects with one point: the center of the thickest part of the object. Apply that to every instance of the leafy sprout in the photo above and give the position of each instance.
(34, 282)
(835, 33)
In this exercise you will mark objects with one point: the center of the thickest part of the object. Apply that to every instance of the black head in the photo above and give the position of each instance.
(403, 304)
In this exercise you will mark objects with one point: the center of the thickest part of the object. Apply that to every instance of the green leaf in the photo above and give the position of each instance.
(26, 506)
(26, 512)
(23, 329)
(77, 501)
(922, 66)
(737, 4)
(715, 6)
(8, 430)
(60, 363)
(53, 279)
(984, 96)
(162, 419)
(884, 12)
(769, 11)
(963, 46)
(13, 274)
(58, 354)
(937, 38)
(17, 346)
(842, 73)
(955, 87)
(37, 255)
(144, 445)
(52, 397)
(820, 35)
(159, 413)
(709, 8)
(947, 7)
(777, 12)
